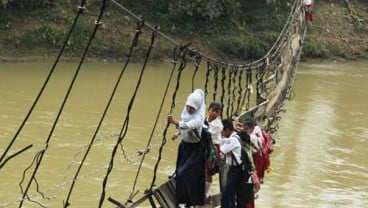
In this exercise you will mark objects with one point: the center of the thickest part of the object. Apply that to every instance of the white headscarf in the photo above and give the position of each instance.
(193, 121)
(196, 100)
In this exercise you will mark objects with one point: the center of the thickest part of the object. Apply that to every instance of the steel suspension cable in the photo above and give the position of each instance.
(133, 192)
(118, 81)
(253, 64)
(126, 121)
(42, 152)
(182, 55)
(15, 154)
(80, 11)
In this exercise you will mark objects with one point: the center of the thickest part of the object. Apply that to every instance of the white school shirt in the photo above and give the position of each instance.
(256, 138)
(195, 120)
(215, 127)
(258, 132)
(231, 145)
(186, 129)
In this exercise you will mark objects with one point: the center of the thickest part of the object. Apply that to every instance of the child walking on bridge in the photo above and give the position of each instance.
(190, 164)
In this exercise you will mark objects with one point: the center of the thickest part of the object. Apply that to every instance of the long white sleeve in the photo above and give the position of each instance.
(186, 129)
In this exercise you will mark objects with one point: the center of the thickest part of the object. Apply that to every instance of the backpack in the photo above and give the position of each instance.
(209, 150)
(268, 141)
(246, 163)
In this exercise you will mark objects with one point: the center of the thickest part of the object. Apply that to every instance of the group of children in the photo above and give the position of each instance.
(241, 146)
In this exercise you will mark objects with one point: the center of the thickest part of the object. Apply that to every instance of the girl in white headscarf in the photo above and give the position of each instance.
(190, 168)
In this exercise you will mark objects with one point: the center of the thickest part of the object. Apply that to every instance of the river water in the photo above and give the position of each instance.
(320, 157)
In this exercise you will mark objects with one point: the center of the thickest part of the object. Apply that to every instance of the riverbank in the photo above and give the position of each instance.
(339, 32)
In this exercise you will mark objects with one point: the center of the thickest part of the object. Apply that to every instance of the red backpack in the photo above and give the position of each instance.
(268, 141)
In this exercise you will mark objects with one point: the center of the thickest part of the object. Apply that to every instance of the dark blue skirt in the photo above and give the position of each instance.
(190, 174)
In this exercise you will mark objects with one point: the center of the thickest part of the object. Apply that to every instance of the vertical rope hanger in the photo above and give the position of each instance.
(223, 78)
(140, 25)
(42, 152)
(215, 80)
(229, 93)
(181, 54)
(235, 71)
(240, 91)
(80, 11)
(198, 60)
(133, 192)
(261, 70)
(248, 90)
(209, 69)
(125, 126)
(133, 45)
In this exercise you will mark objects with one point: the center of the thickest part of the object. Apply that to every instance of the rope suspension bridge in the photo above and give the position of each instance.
(258, 89)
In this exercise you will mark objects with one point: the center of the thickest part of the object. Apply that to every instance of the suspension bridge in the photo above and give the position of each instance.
(258, 88)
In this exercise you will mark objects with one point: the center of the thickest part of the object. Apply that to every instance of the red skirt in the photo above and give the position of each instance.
(309, 12)
(259, 163)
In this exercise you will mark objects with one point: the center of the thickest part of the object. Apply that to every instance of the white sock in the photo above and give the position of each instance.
(208, 185)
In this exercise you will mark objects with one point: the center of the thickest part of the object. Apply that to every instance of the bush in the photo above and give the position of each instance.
(315, 49)
(5, 20)
(250, 48)
(256, 48)
(27, 4)
(80, 35)
(45, 36)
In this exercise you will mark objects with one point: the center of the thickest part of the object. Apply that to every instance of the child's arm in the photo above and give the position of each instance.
(175, 136)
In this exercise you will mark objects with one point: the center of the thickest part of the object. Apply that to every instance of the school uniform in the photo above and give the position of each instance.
(190, 169)
(308, 7)
(245, 195)
(231, 147)
(257, 140)
(215, 128)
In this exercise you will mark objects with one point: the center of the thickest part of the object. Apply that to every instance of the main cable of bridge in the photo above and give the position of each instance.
(254, 64)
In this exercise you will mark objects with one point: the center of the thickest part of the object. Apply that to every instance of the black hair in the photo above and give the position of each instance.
(244, 137)
(249, 122)
(215, 105)
(228, 124)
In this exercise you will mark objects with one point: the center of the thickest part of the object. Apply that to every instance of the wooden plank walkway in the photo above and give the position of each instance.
(164, 197)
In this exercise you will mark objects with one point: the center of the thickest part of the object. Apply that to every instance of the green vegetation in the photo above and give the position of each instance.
(242, 48)
(240, 29)
(314, 49)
